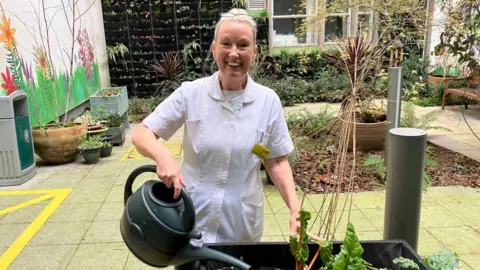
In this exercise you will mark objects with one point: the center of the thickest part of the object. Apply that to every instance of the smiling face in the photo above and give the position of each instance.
(234, 50)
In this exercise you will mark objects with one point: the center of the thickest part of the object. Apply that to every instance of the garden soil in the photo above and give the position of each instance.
(453, 169)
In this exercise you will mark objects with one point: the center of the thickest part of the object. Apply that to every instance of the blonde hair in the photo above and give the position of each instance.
(237, 15)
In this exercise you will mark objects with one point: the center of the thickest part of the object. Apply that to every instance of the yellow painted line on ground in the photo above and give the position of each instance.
(125, 157)
(58, 196)
(175, 148)
(30, 192)
(25, 204)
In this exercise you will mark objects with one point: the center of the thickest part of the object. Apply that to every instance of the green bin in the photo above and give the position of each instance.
(17, 158)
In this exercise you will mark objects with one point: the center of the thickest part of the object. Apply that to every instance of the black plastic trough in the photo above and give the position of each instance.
(379, 253)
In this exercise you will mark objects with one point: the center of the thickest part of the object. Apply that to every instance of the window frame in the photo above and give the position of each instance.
(272, 16)
(352, 15)
(347, 14)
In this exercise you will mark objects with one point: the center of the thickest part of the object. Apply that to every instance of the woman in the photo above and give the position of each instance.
(226, 115)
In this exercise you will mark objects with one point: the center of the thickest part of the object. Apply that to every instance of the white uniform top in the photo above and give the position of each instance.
(221, 173)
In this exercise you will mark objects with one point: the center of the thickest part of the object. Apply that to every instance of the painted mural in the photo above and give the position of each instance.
(47, 89)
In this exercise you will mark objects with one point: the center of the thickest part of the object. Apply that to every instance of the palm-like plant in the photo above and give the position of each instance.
(361, 61)
(170, 67)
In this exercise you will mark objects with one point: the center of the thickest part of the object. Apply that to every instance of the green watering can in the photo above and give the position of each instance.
(157, 228)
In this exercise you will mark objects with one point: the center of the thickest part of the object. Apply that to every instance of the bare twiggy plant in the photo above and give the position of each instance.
(362, 58)
(72, 25)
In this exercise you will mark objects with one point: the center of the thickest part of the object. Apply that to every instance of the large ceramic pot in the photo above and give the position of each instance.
(369, 136)
(58, 145)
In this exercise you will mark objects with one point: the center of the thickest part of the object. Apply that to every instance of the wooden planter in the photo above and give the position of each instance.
(58, 145)
(369, 136)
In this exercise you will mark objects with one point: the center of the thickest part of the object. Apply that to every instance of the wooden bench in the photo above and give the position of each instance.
(471, 93)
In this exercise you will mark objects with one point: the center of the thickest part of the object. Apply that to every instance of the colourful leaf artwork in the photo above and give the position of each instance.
(47, 89)
(9, 82)
(7, 32)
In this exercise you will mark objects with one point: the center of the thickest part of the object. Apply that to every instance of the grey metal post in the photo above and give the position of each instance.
(394, 104)
(404, 184)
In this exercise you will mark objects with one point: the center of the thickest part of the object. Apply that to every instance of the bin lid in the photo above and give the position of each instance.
(7, 109)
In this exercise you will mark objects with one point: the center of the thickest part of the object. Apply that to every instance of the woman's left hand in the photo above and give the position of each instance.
(294, 223)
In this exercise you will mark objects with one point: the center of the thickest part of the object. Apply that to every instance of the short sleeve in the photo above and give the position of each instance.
(280, 142)
(168, 116)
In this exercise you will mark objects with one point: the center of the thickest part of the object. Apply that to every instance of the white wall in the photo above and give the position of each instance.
(29, 22)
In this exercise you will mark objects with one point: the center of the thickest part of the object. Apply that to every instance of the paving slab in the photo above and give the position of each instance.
(99, 256)
(44, 257)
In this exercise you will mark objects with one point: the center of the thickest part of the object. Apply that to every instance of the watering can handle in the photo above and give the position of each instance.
(133, 175)
(151, 169)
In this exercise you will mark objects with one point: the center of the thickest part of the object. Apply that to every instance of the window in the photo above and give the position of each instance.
(336, 24)
(287, 19)
(365, 23)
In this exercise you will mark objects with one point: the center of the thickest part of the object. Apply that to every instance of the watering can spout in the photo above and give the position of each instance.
(192, 253)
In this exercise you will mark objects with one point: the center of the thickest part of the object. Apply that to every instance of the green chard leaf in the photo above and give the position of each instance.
(350, 256)
(326, 255)
(299, 247)
(293, 244)
(352, 243)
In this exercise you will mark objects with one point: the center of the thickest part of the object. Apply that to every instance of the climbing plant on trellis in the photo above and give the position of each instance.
(147, 28)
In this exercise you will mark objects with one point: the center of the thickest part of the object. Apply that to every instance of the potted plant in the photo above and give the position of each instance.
(360, 60)
(87, 119)
(106, 150)
(90, 149)
(116, 128)
(112, 100)
(57, 143)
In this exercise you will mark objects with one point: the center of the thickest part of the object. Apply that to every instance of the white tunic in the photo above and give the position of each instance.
(221, 173)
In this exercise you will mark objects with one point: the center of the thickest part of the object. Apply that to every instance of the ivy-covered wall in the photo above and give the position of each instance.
(144, 29)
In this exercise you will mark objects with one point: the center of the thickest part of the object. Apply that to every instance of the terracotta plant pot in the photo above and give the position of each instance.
(369, 136)
(58, 145)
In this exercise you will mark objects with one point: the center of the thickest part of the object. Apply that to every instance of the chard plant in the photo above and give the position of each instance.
(445, 260)
(299, 243)
(349, 257)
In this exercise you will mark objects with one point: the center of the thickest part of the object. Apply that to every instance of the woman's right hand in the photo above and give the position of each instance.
(169, 172)
(168, 169)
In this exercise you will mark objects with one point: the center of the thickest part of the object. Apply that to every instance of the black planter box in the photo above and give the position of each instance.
(379, 253)
(118, 135)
